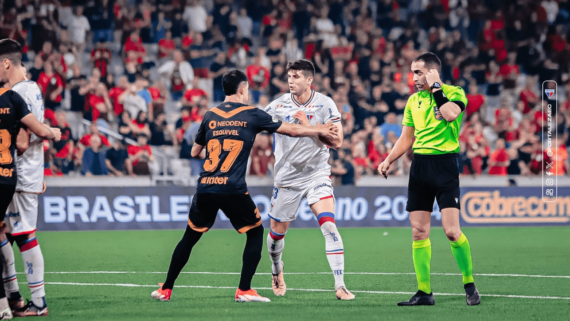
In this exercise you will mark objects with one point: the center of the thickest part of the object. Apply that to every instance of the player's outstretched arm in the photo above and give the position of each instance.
(334, 143)
(402, 145)
(40, 129)
(328, 131)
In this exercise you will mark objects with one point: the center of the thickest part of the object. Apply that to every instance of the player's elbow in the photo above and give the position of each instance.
(22, 147)
(336, 145)
(452, 116)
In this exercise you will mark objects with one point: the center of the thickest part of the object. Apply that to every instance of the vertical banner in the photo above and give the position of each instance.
(551, 162)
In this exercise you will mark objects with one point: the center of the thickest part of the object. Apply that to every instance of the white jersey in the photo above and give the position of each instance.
(300, 159)
(31, 164)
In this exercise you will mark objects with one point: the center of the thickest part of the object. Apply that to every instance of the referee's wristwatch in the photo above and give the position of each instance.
(435, 85)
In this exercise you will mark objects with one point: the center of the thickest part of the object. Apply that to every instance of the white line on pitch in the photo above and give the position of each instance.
(304, 290)
(314, 273)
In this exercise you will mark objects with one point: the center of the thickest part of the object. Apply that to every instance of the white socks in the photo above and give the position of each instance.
(334, 247)
(34, 268)
(9, 271)
(275, 245)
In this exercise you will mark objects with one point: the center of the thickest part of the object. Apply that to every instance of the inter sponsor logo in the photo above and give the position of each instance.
(13, 214)
(5, 172)
(215, 180)
(321, 186)
(4, 111)
(212, 124)
(490, 207)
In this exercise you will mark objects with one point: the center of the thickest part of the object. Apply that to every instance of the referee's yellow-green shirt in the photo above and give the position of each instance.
(434, 134)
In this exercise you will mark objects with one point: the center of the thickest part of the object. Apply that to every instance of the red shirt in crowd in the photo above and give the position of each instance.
(155, 93)
(114, 94)
(134, 46)
(498, 156)
(86, 140)
(45, 81)
(474, 102)
(190, 94)
(95, 100)
(165, 44)
(135, 149)
(103, 61)
(526, 97)
(252, 71)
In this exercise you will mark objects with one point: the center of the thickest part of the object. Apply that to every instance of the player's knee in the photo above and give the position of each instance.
(453, 234)
(420, 233)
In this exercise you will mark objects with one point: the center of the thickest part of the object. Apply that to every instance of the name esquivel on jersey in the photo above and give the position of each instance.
(228, 132)
(12, 109)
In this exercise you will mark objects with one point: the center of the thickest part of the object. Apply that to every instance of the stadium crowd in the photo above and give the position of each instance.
(149, 70)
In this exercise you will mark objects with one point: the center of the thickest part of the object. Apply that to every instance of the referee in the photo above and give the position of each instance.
(433, 115)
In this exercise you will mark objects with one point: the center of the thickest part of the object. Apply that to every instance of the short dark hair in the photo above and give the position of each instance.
(303, 65)
(231, 80)
(11, 50)
(430, 59)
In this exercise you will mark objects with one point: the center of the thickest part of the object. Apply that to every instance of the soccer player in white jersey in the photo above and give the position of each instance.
(302, 171)
(22, 214)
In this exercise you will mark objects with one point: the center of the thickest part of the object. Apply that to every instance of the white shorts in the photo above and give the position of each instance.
(22, 214)
(286, 200)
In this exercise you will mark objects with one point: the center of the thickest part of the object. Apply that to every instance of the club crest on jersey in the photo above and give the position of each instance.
(549, 93)
(310, 116)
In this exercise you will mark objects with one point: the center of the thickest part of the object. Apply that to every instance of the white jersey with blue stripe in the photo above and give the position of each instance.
(31, 164)
(301, 159)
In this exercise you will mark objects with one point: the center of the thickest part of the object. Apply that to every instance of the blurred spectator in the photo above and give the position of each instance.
(160, 133)
(258, 79)
(343, 167)
(78, 88)
(193, 95)
(217, 70)
(78, 26)
(101, 56)
(180, 74)
(166, 46)
(63, 159)
(245, 24)
(390, 125)
(126, 125)
(94, 131)
(117, 160)
(100, 106)
(261, 156)
(499, 160)
(140, 155)
(142, 84)
(475, 101)
(135, 48)
(94, 159)
(132, 102)
(195, 15)
(141, 125)
(116, 92)
(37, 69)
(51, 85)
(158, 93)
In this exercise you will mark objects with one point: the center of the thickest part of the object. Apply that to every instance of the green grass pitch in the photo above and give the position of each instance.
(519, 254)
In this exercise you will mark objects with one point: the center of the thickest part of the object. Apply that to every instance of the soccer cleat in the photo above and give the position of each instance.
(162, 295)
(278, 283)
(249, 296)
(420, 298)
(6, 314)
(472, 295)
(31, 310)
(343, 294)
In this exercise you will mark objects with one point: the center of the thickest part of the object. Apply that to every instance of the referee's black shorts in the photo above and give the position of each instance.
(433, 177)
